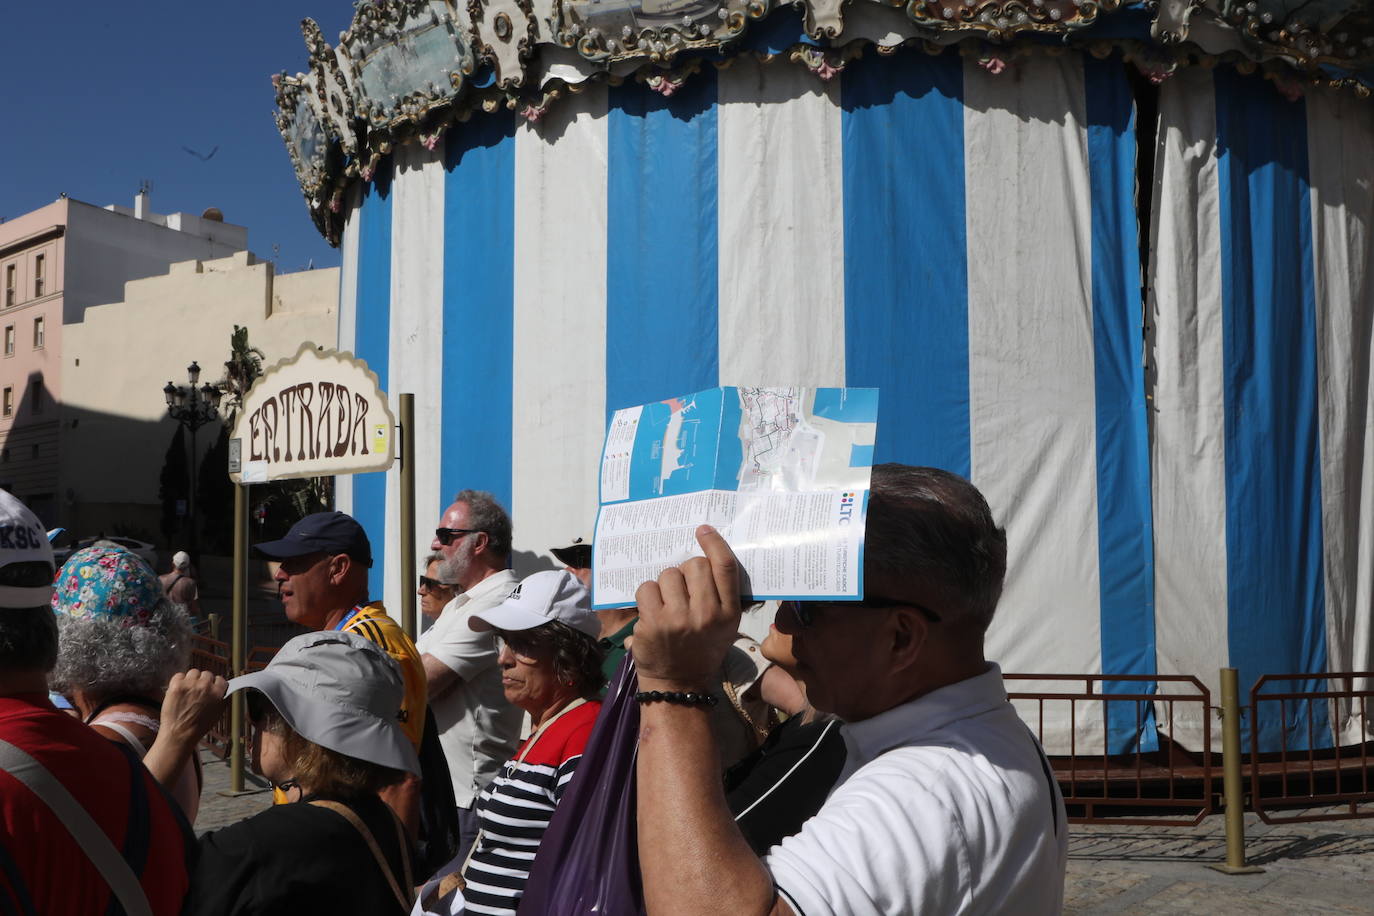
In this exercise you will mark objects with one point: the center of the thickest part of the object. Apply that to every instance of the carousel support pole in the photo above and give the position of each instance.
(407, 408)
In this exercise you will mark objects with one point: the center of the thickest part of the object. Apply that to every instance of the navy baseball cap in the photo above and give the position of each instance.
(323, 532)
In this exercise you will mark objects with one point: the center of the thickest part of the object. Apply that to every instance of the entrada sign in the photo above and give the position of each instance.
(318, 413)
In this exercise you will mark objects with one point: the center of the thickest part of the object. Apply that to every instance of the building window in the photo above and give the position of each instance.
(39, 395)
(8, 405)
(39, 274)
(9, 340)
(38, 333)
(11, 281)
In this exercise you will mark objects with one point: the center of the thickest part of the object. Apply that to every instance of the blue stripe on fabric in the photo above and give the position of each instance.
(662, 310)
(479, 305)
(1276, 610)
(905, 252)
(372, 342)
(1125, 552)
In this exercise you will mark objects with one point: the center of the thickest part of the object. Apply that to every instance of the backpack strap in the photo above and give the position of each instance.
(138, 832)
(124, 884)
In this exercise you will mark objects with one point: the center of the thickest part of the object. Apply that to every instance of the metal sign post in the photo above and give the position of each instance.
(408, 579)
(238, 636)
(320, 413)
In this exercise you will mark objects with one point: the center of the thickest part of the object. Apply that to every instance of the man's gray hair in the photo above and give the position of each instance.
(28, 636)
(486, 514)
(933, 526)
(104, 658)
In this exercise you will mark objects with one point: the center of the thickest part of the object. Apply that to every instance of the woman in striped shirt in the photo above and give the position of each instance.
(551, 668)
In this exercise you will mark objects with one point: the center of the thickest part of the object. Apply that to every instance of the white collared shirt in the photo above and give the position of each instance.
(946, 805)
(478, 728)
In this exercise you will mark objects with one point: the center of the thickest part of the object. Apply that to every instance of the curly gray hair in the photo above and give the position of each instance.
(103, 658)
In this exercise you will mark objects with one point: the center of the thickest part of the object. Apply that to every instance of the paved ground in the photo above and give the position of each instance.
(1318, 869)
(217, 810)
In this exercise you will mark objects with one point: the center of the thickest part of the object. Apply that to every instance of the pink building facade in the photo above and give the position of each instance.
(56, 262)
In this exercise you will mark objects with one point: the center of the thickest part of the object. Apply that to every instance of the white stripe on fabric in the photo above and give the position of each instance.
(416, 341)
(1032, 418)
(560, 325)
(781, 259)
(348, 317)
(1340, 134)
(1188, 447)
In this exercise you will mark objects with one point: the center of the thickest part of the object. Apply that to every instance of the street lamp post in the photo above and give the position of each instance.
(192, 407)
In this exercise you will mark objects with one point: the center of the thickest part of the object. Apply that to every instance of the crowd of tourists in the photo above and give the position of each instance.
(863, 758)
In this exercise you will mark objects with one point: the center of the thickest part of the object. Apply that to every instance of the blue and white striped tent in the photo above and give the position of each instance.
(1186, 475)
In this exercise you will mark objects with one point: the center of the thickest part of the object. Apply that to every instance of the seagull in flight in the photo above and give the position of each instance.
(203, 157)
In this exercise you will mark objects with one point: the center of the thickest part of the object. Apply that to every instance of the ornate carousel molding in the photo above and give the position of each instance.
(407, 70)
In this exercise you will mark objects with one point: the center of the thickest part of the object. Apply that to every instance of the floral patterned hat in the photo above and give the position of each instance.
(109, 583)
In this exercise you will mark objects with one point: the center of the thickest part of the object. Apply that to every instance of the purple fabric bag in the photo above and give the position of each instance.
(588, 861)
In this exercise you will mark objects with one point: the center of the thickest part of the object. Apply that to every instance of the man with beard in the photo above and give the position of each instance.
(478, 729)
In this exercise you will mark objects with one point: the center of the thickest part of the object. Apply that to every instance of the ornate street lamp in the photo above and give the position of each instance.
(192, 407)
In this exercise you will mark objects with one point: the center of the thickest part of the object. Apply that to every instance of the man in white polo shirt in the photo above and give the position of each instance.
(946, 803)
(478, 729)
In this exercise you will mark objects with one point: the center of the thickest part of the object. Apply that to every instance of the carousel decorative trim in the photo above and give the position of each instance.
(409, 70)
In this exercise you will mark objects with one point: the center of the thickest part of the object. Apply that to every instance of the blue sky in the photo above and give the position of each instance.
(100, 96)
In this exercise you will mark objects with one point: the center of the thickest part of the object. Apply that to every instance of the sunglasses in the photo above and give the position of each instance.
(431, 584)
(805, 612)
(447, 536)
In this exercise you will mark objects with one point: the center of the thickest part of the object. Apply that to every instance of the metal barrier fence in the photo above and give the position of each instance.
(1163, 787)
(1314, 770)
(213, 655)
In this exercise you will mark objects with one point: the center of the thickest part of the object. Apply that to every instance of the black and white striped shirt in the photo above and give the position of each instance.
(515, 808)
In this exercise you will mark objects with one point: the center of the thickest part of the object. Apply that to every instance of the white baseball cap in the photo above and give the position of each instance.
(23, 539)
(181, 559)
(539, 599)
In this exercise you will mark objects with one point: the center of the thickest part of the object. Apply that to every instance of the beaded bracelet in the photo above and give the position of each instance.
(676, 696)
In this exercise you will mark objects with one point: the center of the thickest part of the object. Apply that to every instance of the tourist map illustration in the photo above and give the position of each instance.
(782, 472)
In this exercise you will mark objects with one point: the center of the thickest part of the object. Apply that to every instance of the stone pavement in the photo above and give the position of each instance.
(1318, 869)
(217, 810)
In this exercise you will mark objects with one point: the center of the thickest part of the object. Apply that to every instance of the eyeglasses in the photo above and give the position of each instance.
(447, 536)
(805, 611)
(431, 584)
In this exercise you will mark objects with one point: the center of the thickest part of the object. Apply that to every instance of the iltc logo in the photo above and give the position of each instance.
(846, 509)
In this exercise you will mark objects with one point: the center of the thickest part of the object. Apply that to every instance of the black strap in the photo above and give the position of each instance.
(1049, 778)
(138, 827)
(18, 888)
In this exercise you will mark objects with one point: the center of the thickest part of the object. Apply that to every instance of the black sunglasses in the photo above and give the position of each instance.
(431, 584)
(447, 536)
(805, 611)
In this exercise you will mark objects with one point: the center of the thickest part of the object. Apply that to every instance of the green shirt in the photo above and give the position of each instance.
(615, 650)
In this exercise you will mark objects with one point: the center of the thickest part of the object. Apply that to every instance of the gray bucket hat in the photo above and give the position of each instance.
(340, 691)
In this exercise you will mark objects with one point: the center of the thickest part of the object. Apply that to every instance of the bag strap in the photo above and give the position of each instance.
(348, 814)
(118, 875)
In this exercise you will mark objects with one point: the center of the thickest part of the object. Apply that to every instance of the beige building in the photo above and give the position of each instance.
(116, 430)
(55, 263)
